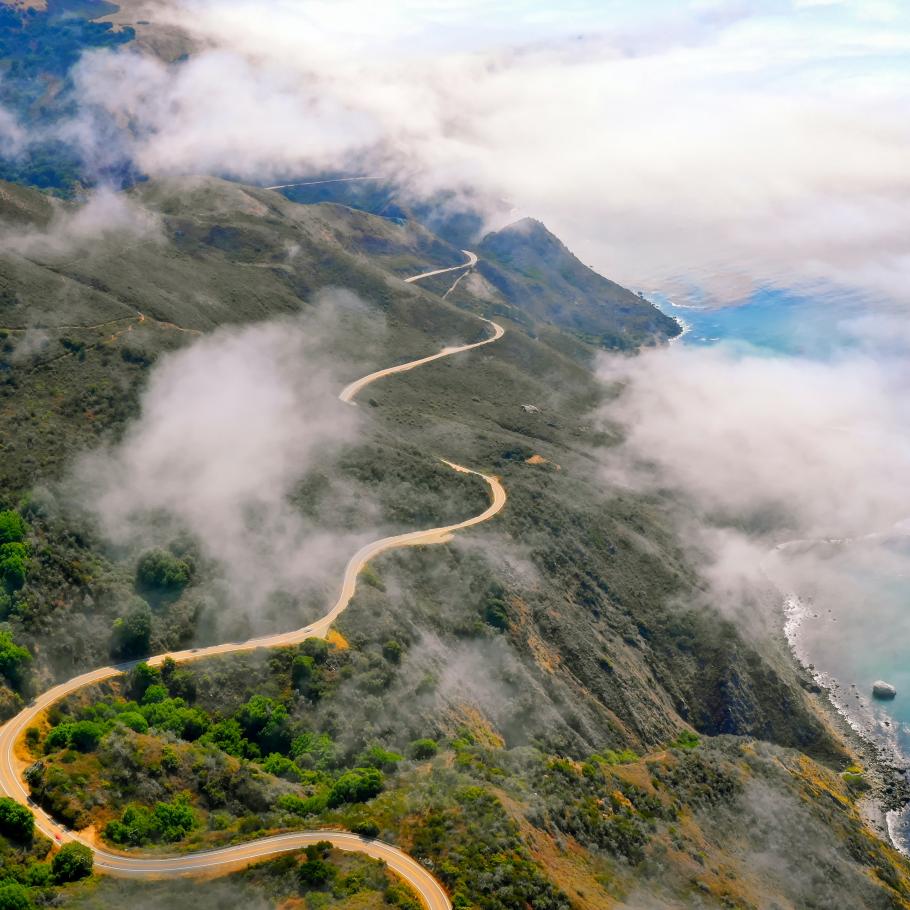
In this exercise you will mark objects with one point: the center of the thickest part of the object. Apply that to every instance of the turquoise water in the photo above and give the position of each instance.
(818, 326)
(856, 613)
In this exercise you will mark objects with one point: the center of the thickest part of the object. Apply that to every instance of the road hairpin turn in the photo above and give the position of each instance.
(222, 860)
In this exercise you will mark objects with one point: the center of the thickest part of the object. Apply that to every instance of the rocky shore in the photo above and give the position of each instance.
(886, 770)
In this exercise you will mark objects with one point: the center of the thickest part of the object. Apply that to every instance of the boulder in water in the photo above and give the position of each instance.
(883, 690)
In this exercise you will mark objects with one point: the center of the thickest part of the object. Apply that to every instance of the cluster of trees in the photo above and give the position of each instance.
(13, 550)
(315, 871)
(260, 730)
(161, 572)
(166, 822)
(14, 661)
(21, 855)
(16, 822)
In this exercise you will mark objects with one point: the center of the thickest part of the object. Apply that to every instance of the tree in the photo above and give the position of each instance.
(72, 862)
(355, 786)
(391, 651)
(13, 565)
(366, 828)
(173, 821)
(317, 648)
(160, 571)
(85, 735)
(16, 822)
(14, 660)
(302, 670)
(422, 749)
(141, 677)
(266, 721)
(377, 757)
(14, 897)
(12, 527)
(316, 871)
(133, 632)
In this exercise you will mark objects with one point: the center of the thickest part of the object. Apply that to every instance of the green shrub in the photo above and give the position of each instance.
(72, 862)
(58, 738)
(132, 633)
(355, 786)
(155, 694)
(377, 757)
(14, 660)
(160, 571)
(14, 897)
(366, 828)
(626, 757)
(856, 782)
(686, 740)
(135, 721)
(166, 823)
(312, 805)
(228, 736)
(391, 651)
(422, 749)
(16, 822)
(313, 750)
(173, 715)
(12, 527)
(400, 896)
(281, 766)
(85, 735)
(13, 565)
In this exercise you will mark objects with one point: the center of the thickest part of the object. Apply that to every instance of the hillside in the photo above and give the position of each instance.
(533, 269)
(599, 728)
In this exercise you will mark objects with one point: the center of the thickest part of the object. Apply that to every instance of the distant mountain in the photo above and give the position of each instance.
(536, 272)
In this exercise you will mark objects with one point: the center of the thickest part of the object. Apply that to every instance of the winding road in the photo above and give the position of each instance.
(12, 765)
(472, 261)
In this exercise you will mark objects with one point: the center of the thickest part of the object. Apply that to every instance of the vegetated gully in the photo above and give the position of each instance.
(221, 860)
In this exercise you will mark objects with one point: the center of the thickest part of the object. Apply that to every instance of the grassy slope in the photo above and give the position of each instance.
(534, 270)
(586, 650)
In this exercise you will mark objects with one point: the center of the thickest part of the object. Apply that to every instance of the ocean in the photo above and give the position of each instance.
(854, 627)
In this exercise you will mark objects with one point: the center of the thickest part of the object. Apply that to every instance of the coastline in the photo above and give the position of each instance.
(886, 807)
(685, 326)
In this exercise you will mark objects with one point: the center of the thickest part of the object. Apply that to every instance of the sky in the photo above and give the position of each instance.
(723, 145)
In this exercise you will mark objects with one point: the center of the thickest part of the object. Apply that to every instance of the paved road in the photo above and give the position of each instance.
(214, 861)
(285, 186)
(472, 261)
(350, 391)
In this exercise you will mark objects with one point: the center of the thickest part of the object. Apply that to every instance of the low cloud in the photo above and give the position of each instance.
(228, 429)
(687, 137)
(753, 451)
(13, 138)
(104, 216)
(786, 444)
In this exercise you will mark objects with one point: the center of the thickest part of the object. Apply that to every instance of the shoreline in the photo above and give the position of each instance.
(886, 807)
(685, 326)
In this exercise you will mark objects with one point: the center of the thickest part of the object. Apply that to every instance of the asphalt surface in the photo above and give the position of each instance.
(472, 261)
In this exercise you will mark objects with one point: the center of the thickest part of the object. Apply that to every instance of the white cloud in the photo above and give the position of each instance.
(820, 446)
(105, 215)
(12, 136)
(659, 145)
(228, 427)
